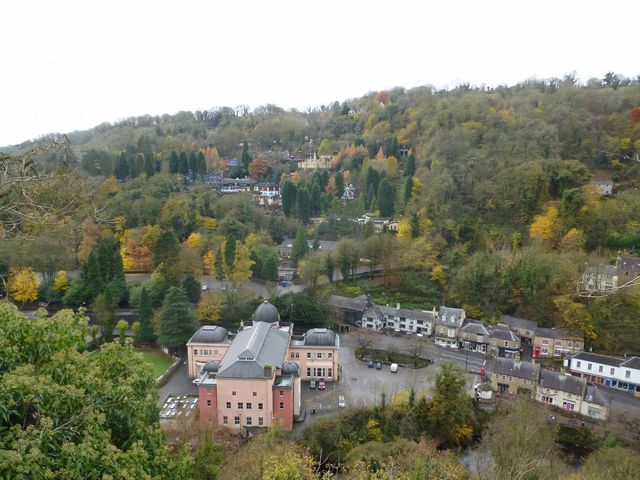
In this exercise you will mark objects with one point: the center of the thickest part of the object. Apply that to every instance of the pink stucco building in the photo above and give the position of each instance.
(252, 378)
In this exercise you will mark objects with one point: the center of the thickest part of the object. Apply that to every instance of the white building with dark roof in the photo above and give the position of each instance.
(614, 372)
(448, 322)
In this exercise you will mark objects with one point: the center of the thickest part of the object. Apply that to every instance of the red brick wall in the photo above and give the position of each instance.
(208, 413)
(284, 416)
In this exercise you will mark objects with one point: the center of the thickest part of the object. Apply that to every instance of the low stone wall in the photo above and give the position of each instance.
(164, 376)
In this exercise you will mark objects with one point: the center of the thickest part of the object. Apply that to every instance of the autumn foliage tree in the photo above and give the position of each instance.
(23, 284)
(259, 168)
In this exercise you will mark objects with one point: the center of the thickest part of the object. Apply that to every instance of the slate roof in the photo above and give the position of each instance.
(633, 362)
(596, 358)
(628, 264)
(347, 303)
(209, 334)
(515, 368)
(252, 349)
(593, 395)
(452, 317)
(554, 333)
(266, 312)
(322, 337)
(475, 326)
(405, 312)
(504, 333)
(516, 322)
(562, 382)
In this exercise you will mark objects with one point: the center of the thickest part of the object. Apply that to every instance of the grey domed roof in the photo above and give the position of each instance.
(210, 334)
(211, 366)
(266, 313)
(320, 337)
(290, 368)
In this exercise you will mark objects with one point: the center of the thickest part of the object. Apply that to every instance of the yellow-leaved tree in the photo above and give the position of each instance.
(23, 284)
(242, 265)
(404, 230)
(575, 316)
(60, 282)
(544, 227)
(209, 262)
(209, 309)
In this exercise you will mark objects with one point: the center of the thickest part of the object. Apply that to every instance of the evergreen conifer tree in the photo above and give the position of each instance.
(149, 165)
(300, 246)
(145, 312)
(288, 194)
(176, 322)
(192, 288)
(230, 252)
(303, 204)
(386, 198)
(174, 163)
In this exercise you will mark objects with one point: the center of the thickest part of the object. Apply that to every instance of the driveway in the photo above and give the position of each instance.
(179, 383)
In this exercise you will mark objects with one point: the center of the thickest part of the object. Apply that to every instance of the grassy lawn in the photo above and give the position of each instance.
(155, 359)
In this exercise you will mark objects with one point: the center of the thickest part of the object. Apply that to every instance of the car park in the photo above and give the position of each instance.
(394, 368)
(322, 385)
(371, 364)
(312, 385)
(378, 366)
(341, 402)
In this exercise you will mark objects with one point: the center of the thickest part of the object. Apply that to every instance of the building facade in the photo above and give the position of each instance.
(448, 322)
(512, 377)
(549, 342)
(256, 383)
(614, 372)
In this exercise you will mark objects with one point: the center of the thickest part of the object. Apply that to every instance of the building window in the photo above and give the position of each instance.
(545, 342)
(297, 354)
(308, 372)
(239, 405)
(600, 368)
(249, 421)
(588, 366)
(255, 394)
(281, 405)
(281, 393)
(570, 344)
(260, 421)
(506, 343)
(225, 420)
(319, 355)
(236, 420)
(627, 374)
(329, 355)
(308, 354)
(248, 405)
(329, 373)
(292, 355)
(578, 364)
(233, 393)
(577, 344)
(567, 405)
(228, 404)
(613, 371)
(260, 406)
(208, 403)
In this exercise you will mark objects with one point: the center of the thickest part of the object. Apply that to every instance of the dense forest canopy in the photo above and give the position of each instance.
(492, 189)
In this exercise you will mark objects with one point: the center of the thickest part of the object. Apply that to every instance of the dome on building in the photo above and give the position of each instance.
(211, 366)
(320, 337)
(290, 368)
(210, 334)
(266, 313)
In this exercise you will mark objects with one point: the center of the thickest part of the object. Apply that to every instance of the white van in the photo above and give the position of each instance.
(394, 368)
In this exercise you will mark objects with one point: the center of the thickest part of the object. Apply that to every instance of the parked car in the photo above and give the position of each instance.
(204, 288)
(371, 364)
(341, 402)
(394, 368)
(378, 366)
(312, 385)
(418, 335)
(322, 385)
(409, 333)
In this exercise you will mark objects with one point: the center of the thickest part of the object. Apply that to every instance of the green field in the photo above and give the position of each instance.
(155, 359)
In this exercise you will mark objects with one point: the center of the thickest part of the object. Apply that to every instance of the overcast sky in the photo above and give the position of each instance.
(72, 65)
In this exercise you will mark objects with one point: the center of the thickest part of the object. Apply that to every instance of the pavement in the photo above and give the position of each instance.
(179, 383)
